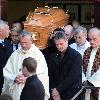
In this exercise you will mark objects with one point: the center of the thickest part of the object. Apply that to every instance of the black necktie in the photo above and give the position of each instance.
(16, 46)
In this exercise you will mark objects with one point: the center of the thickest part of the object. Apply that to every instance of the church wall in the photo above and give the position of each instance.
(17, 9)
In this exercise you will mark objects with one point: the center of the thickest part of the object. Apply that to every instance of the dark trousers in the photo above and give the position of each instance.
(1, 84)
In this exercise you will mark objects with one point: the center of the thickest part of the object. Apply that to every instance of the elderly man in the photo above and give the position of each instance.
(14, 78)
(91, 65)
(64, 70)
(5, 48)
(81, 44)
(69, 34)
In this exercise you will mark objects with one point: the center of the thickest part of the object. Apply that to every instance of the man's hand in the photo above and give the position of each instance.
(55, 94)
(20, 79)
(57, 97)
(87, 83)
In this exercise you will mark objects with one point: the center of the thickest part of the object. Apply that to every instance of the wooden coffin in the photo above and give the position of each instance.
(42, 22)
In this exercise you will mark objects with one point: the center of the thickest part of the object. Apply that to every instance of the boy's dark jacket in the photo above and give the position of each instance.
(33, 89)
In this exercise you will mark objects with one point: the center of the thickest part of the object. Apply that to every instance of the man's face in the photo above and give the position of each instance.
(68, 33)
(94, 39)
(25, 42)
(75, 25)
(15, 37)
(61, 44)
(5, 31)
(80, 38)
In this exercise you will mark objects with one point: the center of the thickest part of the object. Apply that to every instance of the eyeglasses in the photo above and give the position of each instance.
(14, 35)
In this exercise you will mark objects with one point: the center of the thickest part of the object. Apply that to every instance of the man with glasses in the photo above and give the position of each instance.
(15, 32)
(15, 39)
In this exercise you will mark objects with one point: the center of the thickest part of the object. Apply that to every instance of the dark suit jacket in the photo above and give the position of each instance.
(33, 89)
(65, 74)
(5, 52)
(51, 48)
(12, 47)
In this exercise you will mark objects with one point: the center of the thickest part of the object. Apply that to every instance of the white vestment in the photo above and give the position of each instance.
(14, 68)
(95, 78)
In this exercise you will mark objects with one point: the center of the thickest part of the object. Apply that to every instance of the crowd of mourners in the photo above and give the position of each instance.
(70, 63)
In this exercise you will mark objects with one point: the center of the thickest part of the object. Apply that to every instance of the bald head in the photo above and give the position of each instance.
(68, 31)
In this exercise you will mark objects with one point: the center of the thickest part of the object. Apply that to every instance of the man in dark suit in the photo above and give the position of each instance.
(33, 89)
(65, 67)
(69, 31)
(15, 42)
(16, 28)
(5, 49)
(51, 47)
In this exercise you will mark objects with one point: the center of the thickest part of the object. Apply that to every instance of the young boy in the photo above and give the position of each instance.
(33, 89)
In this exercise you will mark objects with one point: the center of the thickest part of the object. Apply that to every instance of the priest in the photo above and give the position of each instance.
(14, 79)
(91, 65)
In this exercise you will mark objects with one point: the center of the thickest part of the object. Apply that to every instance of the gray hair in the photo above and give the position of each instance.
(95, 30)
(3, 24)
(80, 29)
(60, 35)
(25, 33)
